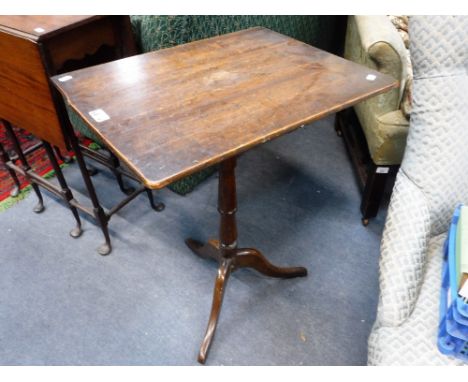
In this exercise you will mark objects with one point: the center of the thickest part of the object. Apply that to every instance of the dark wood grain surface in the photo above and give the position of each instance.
(27, 61)
(28, 25)
(25, 97)
(178, 110)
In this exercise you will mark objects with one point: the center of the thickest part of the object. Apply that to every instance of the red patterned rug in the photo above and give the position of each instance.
(38, 161)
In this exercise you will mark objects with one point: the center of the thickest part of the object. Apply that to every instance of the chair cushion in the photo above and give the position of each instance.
(387, 139)
(414, 342)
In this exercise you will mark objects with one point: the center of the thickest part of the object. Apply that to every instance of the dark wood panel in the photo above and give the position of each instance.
(25, 98)
(178, 110)
(76, 43)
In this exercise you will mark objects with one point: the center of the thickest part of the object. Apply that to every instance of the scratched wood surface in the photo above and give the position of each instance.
(175, 111)
(27, 26)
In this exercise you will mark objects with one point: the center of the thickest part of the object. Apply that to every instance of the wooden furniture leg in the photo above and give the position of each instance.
(118, 175)
(98, 212)
(373, 192)
(63, 158)
(19, 152)
(64, 190)
(230, 257)
(6, 158)
(371, 177)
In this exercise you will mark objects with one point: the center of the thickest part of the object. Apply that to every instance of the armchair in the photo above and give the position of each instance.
(432, 180)
(373, 41)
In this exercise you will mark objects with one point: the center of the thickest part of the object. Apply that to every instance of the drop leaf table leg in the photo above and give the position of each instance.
(6, 158)
(19, 152)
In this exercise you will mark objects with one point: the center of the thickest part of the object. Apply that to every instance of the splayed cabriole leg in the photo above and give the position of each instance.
(252, 258)
(155, 206)
(19, 152)
(98, 212)
(64, 190)
(228, 255)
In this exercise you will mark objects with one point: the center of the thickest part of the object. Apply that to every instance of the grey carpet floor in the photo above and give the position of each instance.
(148, 302)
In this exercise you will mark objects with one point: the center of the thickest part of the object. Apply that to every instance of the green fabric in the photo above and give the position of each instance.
(80, 126)
(157, 32)
(315, 30)
(371, 42)
(387, 137)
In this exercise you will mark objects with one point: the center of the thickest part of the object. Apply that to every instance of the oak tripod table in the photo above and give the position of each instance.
(169, 113)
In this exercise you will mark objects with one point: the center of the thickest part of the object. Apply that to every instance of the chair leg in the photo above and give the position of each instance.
(373, 192)
(338, 122)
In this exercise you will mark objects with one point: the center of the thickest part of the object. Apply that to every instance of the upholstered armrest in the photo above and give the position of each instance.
(384, 45)
(381, 41)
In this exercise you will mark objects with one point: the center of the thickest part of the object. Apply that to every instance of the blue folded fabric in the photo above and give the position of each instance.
(453, 326)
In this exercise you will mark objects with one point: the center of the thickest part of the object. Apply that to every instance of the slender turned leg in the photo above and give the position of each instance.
(115, 164)
(63, 158)
(65, 190)
(6, 158)
(16, 145)
(224, 271)
(155, 206)
(98, 211)
(227, 254)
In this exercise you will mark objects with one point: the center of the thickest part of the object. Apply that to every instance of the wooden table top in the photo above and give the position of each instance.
(172, 112)
(39, 27)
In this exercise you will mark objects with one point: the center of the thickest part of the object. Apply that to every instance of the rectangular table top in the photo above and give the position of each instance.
(38, 27)
(172, 112)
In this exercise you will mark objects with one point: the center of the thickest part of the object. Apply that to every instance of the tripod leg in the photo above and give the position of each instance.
(222, 278)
